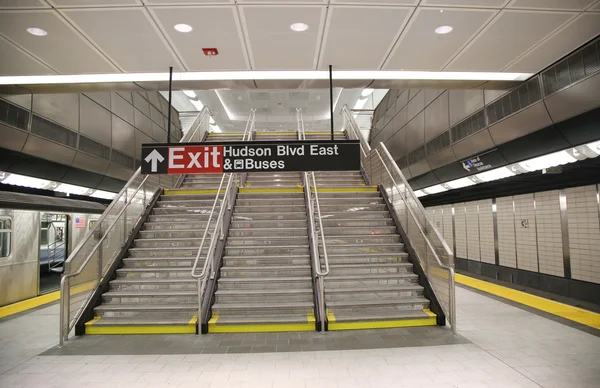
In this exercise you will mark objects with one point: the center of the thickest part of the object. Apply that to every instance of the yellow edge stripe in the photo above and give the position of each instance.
(186, 192)
(324, 133)
(571, 313)
(334, 326)
(37, 301)
(345, 189)
(225, 134)
(276, 133)
(190, 328)
(272, 190)
(261, 328)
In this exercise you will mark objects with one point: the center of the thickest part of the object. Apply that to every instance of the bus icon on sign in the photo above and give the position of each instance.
(238, 164)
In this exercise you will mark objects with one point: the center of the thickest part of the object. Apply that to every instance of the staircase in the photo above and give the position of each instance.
(265, 283)
(371, 282)
(153, 291)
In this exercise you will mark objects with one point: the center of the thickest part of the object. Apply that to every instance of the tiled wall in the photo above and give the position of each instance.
(584, 233)
(535, 232)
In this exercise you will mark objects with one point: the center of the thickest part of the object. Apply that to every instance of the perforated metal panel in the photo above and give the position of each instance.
(577, 66)
(93, 147)
(122, 159)
(52, 131)
(417, 155)
(13, 115)
(440, 142)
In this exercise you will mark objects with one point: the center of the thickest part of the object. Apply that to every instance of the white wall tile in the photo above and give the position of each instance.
(460, 223)
(486, 231)
(472, 231)
(526, 233)
(506, 232)
(549, 236)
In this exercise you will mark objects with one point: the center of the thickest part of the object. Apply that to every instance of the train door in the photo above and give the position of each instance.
(53, 250)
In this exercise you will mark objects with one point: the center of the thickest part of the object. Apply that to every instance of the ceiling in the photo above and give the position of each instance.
(111, 36)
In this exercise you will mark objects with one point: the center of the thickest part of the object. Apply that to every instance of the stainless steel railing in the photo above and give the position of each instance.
(91, 259)
(313, 202)
(432, 251)
(218, 232)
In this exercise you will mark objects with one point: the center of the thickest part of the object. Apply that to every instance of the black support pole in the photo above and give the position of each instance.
(331, 98)
(170, 91)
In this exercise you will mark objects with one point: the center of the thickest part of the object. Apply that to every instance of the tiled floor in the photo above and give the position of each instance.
(499, 346)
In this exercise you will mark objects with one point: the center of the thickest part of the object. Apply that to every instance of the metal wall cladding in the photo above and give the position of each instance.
(49, 150)
(122, 108)
(415, 136)
(526, 121)
(574, 100)
(123, 137)
(463, 103)
(472, 144)
(436, 116)
(94, 120)
(12, 138)
(19, 277)
(140, 103)
(101, 98)
(63, 109)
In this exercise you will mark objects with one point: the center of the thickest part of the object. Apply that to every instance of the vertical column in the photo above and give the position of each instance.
(564, 229)
(495, 226)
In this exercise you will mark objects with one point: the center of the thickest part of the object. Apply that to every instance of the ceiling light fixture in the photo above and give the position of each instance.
(183, 27)
(443, 30)
(37, 31)
(299, 27)
(190, 93)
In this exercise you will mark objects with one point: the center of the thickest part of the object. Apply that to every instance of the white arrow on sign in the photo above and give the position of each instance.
(466, 166)
(154, 158)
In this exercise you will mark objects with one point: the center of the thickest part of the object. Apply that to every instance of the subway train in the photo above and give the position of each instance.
(37, 233)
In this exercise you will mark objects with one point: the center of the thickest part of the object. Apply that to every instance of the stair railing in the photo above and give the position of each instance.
(226, 203)
(432, 252)
(197, 132)
(248, 136)
(88, 264)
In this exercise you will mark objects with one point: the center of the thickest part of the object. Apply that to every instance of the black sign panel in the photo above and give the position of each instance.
(207, 158)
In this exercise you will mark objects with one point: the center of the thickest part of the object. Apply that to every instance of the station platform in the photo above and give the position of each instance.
(500, 343)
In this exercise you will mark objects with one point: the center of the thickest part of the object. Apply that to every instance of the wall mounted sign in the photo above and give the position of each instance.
(198, 158)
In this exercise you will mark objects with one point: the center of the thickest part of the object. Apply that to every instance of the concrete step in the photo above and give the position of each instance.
(363, 239)
(147, 311)
(200, 186)
(266, 232)
(388, 315)
(191, 233)
(357, 222)
(341, 207)
(145, 262)
(268, 240)
(260, 283)
(186, 203)
(354, 214)
(264, 308)
(273, 185)
(171, 242)
(358, 230)
(155, 284)
(371, 269)
(244, 201)
(365, 248)
(367, 258)
(348, 195)
(254, 250)
(271, 195)
(268, 180)
(270, 208)
(269, 224)
(188, 197)
(150, 297)
(163, 252)
(339, 182)
(266, 271)
(265, 260)
(378, 305)
(258, 296)
(180, 218)
(373, 293)
(347, 281)
(181, 323)
(156, 272)
(175, 226)
(246, 216)
(354, 201)
(184, 210)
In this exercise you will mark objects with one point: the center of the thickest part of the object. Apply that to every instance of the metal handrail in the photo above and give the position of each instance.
(365, 148)
(450, 269)
(64, 330)
(322, 232)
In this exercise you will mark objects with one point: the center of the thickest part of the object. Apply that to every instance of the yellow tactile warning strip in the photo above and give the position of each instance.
(32, 303)
(272, 190)
(344, 189)
(190, 328)
(275, 133)
(324, 133)
(29, 304)
(384, 324)
(188, 192)
(575, 314)
(214, 327)
(224, 134)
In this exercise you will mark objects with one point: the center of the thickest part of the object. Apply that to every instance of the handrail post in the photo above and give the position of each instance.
(125, 216)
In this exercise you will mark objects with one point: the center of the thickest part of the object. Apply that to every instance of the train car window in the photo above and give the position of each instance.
(5, 236)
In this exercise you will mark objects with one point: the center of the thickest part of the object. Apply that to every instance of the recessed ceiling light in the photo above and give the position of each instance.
(190, 93)
(443, 30)
(37, 31)
(183, 27)
(299, 27)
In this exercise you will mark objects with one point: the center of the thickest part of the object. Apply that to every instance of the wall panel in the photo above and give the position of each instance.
(506, 232)
(584, 233)
(547, 218)
(472, 231)
(448, 230)
(460, 225)
(486, 231)
(526, 232)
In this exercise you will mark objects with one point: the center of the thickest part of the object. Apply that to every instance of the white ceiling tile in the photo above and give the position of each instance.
(131, 41)
(281, 2)
(273, 45)
(349, 45)
(420, 48)
(93, 3)
(63, 48)
(214, 27)
(465, 3)
(376, 2)
(187, 2)
(23, 4)
(583, 29)
(508, 37)
(16, 62)
(596, 7)
(578, 5)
